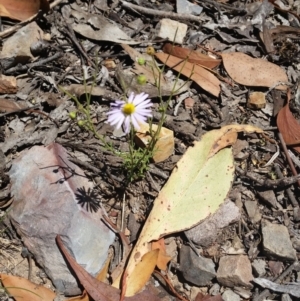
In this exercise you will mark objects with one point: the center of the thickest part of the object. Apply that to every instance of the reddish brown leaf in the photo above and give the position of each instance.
(22, 9)
(288, 126)
(205, 79)
(8, 105)
(192, 56)
(98, 290)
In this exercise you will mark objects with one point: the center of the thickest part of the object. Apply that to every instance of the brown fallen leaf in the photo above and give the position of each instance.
(205, 79)
(101, 277)
(22, 9)
(192, 56)
(24, 290)
(98, 290)
(249, 71)
(163, 258)
(288, 126)
(9, 105)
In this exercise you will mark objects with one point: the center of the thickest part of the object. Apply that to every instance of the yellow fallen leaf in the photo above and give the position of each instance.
(142, 272)
(24, 290)
(196, 188)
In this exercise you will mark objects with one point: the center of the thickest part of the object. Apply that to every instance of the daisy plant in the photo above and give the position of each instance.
(128, 114)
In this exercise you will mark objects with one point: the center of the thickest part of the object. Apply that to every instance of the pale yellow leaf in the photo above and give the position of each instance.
(196, 188)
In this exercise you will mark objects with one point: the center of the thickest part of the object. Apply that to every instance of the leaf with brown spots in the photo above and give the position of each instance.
(196, 188)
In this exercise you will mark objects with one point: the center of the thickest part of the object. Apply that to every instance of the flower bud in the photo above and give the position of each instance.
(141, 79)
(141, 61)
(150, 50)
(81, 122)
(73, 114)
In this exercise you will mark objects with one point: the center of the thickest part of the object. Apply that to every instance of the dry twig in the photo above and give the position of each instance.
(159, 13)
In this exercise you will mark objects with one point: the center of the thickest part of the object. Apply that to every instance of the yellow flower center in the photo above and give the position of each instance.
(128, 108)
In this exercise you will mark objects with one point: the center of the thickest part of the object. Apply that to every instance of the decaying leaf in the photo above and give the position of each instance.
(22, 9)
(186, 201)
(78, 90)
(24, 290)
(205, 79)
(192, 56)
(9, 105)
(107, 30)
(289, 127)
(250, 71)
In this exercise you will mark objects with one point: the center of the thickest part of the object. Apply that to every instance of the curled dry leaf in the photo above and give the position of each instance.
(22, 9)
(250, 71)
(289, 127)
(192, 56)
(205, 79)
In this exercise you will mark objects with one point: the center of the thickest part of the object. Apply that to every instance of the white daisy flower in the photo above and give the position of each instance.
(134, 111)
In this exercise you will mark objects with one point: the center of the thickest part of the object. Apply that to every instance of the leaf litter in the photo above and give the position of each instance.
(189, 186)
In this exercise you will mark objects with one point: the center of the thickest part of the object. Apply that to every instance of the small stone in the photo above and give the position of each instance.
(269, 197)
(172, 30)
(44, 183)
(235, 271)
(286, 297)
(8, 84)
(257, 100)
(164, 146)
(253, 211)
(276, 241)
(259, 267)
(16, 49)
(215, 289)
(196, 269)
(275, 267)
(244, 293)
(206, 232)
(296, 244)
(186, 7)
(229, 295)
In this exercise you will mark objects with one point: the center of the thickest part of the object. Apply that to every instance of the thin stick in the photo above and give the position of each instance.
(159, 13)
(265, 293)
(288, 157)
